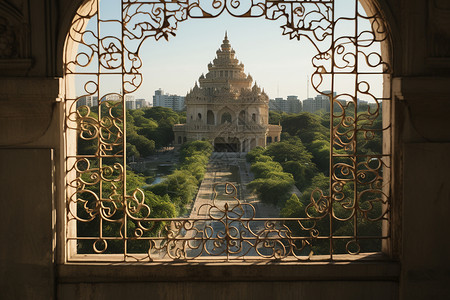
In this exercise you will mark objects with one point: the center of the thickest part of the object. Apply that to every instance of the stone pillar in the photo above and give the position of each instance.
(420, 210)
(28, 224)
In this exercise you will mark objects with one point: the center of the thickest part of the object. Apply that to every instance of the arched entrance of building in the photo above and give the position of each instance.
(226, 118)
(210, 119)
(230, 144)
(242, 118)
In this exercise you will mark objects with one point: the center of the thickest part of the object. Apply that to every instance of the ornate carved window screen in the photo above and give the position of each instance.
(97, 195)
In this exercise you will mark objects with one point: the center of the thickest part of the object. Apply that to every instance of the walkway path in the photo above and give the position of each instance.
(226, 167)
(219, 170)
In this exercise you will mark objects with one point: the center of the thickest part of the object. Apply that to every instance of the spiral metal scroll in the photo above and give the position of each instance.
(108, 48)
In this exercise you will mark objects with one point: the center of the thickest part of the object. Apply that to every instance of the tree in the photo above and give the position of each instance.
(134, 181)
(370, 139)
(320, 181)
(195, 147)
(262, 169)
(320, 150)
(275, 117)
(141, 121)
(145, 146)
(132, 151)
(194, 157)
(274, 189)
(293, 208)
(255, 152)
(289, 151)
(180, 186)
(302, 173)
(305, 126)
(263, 158)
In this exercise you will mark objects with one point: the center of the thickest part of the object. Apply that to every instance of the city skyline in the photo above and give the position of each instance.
(176, 65)
(279, 65)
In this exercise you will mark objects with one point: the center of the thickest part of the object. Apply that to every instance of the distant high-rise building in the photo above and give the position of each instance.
(89, 101)
(174, 102)
(338, 107)
(141, 103)
(319, 103)
(291, 105)
(277, 104)
(308, 105)
(130, 103)
(114, 97)
(294, 105)
(363, 105)
(157, 97)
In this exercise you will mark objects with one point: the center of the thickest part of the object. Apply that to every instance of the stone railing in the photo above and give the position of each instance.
(179, 127)
(225, 127)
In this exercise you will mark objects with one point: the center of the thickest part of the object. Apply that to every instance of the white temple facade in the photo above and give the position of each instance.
(226, 108)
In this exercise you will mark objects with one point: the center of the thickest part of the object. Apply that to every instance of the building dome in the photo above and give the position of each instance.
(226, 108)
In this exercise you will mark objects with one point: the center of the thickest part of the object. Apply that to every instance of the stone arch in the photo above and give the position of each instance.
(210, 118)
(382, 8)
(227, 144)
(371, 7)
(225, 111)
(15, 35)
(242, 117)
(226, 117)
(252, 143)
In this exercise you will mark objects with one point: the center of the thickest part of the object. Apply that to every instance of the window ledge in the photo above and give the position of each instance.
(363, 267)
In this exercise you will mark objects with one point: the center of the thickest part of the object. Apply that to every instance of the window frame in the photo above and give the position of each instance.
(387, 246)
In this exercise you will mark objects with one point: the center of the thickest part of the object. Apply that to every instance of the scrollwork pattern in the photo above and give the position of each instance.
(96, 180)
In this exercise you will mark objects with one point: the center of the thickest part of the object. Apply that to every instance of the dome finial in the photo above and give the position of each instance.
(226, 43)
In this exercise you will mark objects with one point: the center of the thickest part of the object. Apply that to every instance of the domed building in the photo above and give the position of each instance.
(226, 108)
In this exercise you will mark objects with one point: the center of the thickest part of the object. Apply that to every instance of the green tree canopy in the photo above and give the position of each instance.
(180, 186)
(254, 153)
(274, 190)
(262, 169)
(305, 126)
(288, 151)
(293, 208)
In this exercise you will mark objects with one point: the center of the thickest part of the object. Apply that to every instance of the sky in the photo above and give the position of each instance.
(280, 66)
